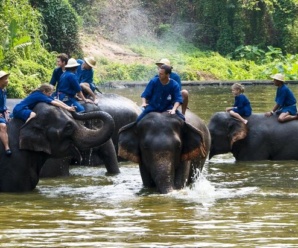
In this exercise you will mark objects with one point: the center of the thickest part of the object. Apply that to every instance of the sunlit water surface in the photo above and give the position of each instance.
(232, 204)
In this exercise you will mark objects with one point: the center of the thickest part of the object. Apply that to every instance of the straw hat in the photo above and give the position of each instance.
(279, 77)
(72, 63)
(90, 61)
(163, 62)
(3, 74)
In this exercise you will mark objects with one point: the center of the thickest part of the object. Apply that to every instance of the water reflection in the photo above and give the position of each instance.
(232, 204)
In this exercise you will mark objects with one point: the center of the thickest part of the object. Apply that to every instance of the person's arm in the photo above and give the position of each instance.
(270, 113)
(63, 105)
(81, 95)
(229, 108)
(174, 109)
(144, 102)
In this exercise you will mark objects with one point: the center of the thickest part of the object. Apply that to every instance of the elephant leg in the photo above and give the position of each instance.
(182, 175)
(146, 177)
(108, 154)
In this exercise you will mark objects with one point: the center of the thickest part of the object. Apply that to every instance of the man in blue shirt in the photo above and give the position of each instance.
(176, 77)
(85, 76)
(285, 101)
(4, 115)
(61, 61)
(69, 86)
(161, 94)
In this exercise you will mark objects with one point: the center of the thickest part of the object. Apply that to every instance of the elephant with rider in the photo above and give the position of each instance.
(123, 111)
(262, 138)
(169, 150)
(54, 132)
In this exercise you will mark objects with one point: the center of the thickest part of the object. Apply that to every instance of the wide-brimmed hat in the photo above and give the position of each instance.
(279, 77)
(72, 63)
(163, 62)
(3, 74)
(90, 61)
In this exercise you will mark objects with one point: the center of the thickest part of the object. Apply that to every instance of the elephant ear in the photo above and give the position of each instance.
(33, 137)
(128, 146)
(193, 143)
(237, 130)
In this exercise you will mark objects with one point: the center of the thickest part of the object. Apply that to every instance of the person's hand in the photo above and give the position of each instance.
(268, 114)
(172, 111)
(71, 108)
(89, 101)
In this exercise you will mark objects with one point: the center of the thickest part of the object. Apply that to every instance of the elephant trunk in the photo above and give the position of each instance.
(85, 138)
(162, 171)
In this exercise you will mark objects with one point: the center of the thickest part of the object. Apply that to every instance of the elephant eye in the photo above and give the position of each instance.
(68, 128)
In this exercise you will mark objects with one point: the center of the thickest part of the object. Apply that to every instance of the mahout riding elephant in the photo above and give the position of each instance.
(262, 138)
(168, 150)
(123, 111)
(53, 132)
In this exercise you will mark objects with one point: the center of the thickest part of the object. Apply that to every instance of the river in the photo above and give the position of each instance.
(232, 204)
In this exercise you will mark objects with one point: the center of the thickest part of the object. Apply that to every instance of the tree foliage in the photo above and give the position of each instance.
(61, 24)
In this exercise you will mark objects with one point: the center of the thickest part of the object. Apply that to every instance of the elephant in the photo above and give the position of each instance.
(53, 132)
(169, 151)
(262, 138)
(123, 111)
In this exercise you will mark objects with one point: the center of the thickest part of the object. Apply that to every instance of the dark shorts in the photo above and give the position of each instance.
(22, 114)
(292, 110)
(2, 118)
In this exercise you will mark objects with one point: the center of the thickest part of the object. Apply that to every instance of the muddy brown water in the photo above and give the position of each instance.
(232, 204)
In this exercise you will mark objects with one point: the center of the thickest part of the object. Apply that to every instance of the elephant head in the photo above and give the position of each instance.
(54, 131)
(160, 143)
(225, 131)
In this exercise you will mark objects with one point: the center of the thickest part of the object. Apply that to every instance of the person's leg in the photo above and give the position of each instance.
(237, 116)
(184, 94)
(4, 137)
(284, 117)
(32, 115)
(86, 88)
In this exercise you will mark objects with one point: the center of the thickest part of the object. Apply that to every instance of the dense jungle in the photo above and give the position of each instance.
(204, 39)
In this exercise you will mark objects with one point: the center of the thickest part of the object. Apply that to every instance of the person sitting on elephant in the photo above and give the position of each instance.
(242, 107)
(23, 110)
(85, 76)
(177, 78)
(69, 87)
(4, 115)
(162, 94)
(61, 61)
(285, 100)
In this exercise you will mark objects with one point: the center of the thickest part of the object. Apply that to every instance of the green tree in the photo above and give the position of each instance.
(61, 24)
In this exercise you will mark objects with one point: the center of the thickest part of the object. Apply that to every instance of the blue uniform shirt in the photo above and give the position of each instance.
(3, 97)
(56, 76)
(23, 109)
(162, 97)
(284, 96)
(242, 105)
(69, 84)
(175, 77)
(84, 76)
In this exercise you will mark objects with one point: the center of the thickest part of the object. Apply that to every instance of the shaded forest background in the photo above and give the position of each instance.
(204, 39)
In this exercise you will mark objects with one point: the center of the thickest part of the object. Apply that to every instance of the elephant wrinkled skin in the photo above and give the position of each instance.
(53, 132)
(263, 138)
(168, 150)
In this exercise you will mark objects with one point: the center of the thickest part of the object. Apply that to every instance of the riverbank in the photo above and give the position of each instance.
(125, 84)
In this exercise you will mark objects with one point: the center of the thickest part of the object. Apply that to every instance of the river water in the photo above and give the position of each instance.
(232, 204)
